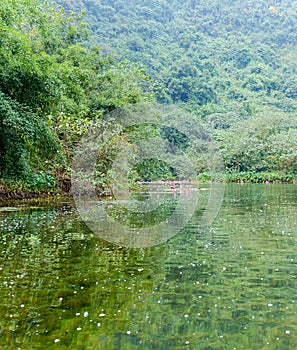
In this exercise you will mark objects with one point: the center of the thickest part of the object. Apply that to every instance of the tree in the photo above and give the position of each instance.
(52, 85)
(23, 132)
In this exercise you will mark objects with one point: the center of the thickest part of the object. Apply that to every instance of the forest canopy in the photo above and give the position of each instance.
(65, 63)
(232, 63)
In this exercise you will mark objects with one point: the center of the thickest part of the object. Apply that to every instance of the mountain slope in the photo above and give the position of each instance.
(228, 62)
(201, 50)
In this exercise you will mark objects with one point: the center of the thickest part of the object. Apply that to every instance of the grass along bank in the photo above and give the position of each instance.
(252, 177)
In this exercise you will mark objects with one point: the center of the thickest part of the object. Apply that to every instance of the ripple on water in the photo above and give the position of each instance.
(231, 285)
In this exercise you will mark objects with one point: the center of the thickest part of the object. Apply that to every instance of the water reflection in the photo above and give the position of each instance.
(233, 286)
(150, 216)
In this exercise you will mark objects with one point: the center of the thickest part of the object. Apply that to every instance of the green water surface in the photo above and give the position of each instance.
(232, 286)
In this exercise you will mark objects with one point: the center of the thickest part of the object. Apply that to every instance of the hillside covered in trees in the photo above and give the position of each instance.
(203, 52)
(64, 64)
(232, 63)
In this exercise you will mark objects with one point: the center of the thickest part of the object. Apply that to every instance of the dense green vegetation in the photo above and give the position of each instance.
(51, 89)
(231, 64)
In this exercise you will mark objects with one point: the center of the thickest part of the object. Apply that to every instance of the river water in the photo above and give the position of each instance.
(231, 286)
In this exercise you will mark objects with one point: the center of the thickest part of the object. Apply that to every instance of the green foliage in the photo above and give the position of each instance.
(202, 52)
(260, 177)
(231, 63)
(266, 142)
(153, 169)
(22, 132)
(53, 87)
(34, 42)
(38, 182)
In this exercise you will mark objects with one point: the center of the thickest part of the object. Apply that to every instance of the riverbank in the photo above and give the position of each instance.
(13, 190)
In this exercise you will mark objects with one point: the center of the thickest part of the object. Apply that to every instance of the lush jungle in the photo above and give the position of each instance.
(64, 65)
